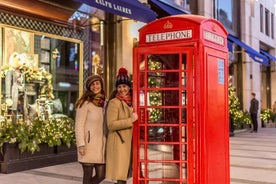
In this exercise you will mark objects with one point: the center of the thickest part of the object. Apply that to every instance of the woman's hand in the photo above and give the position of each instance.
(134, 117)
(81, 150)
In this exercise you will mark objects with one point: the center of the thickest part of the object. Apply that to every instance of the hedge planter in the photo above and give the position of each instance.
(12, 160)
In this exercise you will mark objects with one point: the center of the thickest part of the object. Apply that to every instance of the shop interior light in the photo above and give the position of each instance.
(78, 16)
(64, 84)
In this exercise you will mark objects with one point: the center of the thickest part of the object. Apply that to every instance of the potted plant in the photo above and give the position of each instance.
(238, 117)
(266, 115)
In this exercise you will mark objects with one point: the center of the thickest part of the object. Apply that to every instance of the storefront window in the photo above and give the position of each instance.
(61, 59)
(41, 75)
(224, 12)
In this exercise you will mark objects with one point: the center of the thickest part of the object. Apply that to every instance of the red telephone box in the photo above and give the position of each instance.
(181, 95)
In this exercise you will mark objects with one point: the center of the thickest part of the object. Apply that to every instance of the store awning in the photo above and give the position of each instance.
(169, 7)
(269, 56)
(255, 55)
(132, 9)
(230, 46)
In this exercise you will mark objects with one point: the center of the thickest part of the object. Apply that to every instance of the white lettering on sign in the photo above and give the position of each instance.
(259, 59)
(213, 37)
(121, 9)
(167, 36)
(114, 6)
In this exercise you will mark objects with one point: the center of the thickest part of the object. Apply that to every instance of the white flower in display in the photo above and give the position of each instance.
(9, 102)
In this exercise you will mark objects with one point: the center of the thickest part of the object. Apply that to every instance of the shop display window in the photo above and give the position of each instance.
(41, 75)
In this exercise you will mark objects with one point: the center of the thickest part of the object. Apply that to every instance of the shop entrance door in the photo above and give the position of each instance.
(164, 142)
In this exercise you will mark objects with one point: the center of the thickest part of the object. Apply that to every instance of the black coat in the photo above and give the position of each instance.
(254, 106)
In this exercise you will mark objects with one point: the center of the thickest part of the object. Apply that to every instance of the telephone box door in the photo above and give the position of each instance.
(163, 141)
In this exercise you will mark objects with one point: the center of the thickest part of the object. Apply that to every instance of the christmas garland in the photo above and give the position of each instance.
(53, 131)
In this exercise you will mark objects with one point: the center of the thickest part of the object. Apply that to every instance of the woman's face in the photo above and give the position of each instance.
(123, 90)
(96, 87)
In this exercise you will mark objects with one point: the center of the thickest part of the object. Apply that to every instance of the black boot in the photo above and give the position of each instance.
(100, 173)
(121, 182)
(87, 173)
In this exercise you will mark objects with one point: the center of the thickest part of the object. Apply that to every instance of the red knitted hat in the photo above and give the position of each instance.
(122, 77)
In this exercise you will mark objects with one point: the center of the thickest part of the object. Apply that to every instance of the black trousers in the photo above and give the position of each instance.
(254, 121)
(88, 173)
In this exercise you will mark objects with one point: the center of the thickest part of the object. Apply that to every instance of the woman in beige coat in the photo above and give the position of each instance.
(89, 130)
(120, 117)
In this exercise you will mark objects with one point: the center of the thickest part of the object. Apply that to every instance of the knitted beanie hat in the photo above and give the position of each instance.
(122, 77)
(91, 79)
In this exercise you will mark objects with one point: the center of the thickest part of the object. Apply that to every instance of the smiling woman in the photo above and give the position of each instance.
(120, 118)
(90, 130)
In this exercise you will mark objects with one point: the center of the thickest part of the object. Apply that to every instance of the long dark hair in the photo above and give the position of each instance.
(87, 96)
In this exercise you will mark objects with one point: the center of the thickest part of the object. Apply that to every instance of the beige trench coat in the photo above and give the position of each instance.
(89, 133)
(118, 154)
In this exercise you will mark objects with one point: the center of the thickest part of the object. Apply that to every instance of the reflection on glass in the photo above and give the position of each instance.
(184, 98)
(172, 79)
(163, 152)
(184, 134)
(142, 169)
(163, 62)
(184, 115)
(164, 98)
(63, 61)
(157, 133)
(155, 81)
(171, 98)
(154, 115)
(225, 13)
(163, 80)
(163, 115)
(163, 134)
(163, 170)
(184, 152)
(184, 62)
(183, 79)
(142, 152)
(142, 76)
(142, 62)
(155, 98)
(154, 63)
(142, 98)
(184, 171)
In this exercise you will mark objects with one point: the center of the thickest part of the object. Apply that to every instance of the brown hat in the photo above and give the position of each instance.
(122, 77)
(91, 79)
